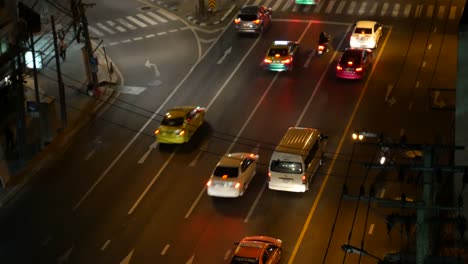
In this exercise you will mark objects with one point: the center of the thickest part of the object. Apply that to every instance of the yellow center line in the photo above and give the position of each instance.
(338, 150)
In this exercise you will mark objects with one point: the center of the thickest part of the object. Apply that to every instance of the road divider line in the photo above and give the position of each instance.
(309, 58)
(335, 156)
(254, 205)
(228, 253)
(105, 245)
(382, 193)
(371, 229)
(165, 249)
(90, 154)
(154, 145)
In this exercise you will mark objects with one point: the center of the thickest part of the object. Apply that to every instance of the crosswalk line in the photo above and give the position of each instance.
(384, 9)
(147, 19)
(453, 12)
(136, 21)
(167, 14)
(102, 26)
(257, 2)
(112, 24)
(396, 9)
(418, 11)
(268, 3)
(351, 7)
(126, 24)
(373, 9)
(158, 18)
(340, 7)
(295, 8)
(287, 5)
(95, 31)
(407, 10)
(430, 11)
(362, 8)
(318, 7)
(440, 14)
(276, 5)
(307, 8)
(330, 6)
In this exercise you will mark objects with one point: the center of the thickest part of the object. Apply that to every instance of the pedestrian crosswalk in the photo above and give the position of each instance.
(392, 9)
(129, 23)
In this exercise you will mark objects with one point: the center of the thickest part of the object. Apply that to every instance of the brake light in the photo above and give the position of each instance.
(269, 175)
(237, 20)
(156, 132)
(208, 183)
(267, 60)
(277, 55)
(257, 21)
(287, 61)
(303, 179)
(237, 185)
(321, 47)
(358, 69)
(181, 133)
(350, 63)
(338, 67)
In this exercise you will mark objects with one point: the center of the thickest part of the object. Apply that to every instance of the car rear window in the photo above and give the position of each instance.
(280, 51)
(354, 58)
(244, 260)
(286, 167)
(178, 121)
(247, 17)
(230, 172)
(361, 30)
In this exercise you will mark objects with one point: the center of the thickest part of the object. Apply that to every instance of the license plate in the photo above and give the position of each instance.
(350, 70)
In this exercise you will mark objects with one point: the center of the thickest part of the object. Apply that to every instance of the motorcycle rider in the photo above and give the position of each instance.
(324, 38)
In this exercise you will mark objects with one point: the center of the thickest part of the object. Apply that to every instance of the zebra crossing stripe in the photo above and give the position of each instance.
(340, 7)
(362, 9)
(275, 6)
(125, 23)
(257, 2)
(136, 21)
(102, 26)
(373, 9)
(295, 8)
(287, 5)
(351, 7)
(112, 24)
(396, 9)
(167, 14)
(159, 18)
(307, 8)
(440, 14)
(147, 19)
(384, 9)
(430, 11)
(95, 31)
(453, 12)
(330, 6)
(318, 7)
(407, 10)
(418, 11)
(268, 3)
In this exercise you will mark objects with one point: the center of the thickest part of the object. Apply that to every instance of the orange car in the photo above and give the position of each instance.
(258, 250)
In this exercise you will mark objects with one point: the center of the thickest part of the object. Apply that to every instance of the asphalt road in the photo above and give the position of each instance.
(116, 197)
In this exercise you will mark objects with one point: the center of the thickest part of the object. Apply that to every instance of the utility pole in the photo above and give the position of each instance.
(63, 110)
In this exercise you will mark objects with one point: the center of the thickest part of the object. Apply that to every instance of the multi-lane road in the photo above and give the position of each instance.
(116, 196)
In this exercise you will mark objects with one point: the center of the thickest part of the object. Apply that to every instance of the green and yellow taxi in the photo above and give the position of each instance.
(179, 124)
(281, 55)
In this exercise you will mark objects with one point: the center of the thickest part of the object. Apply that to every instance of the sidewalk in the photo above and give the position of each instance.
(80, 109)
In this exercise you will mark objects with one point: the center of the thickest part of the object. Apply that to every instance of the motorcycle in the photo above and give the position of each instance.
(322, 46)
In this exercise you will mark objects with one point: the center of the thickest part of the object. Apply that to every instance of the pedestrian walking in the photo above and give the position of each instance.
(9, 138)
(63, 49)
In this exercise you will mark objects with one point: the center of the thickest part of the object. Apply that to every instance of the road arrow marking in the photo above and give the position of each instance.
(227, 52)
(151, 147)
(150, 65)
(65, 257)
(126, 260)
(190, 261)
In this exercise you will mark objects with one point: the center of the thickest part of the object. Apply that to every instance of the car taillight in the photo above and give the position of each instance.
(267, 60)
(257, 21)
(156, 132)
(237, 20)
(286, 61)
(338, 67)
(208, 183)
(321, 47)
(358, 69)
(237, 185)
(181, 133)
(303, 179)
(269, 175)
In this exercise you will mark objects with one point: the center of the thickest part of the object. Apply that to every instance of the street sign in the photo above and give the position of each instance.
(212, 4)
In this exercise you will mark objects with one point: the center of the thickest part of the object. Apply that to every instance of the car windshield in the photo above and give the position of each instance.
(230, 172)
(286, 167)
(360, 30)
(280, 51)
(178, 121)
(247, 17)
(244, 260)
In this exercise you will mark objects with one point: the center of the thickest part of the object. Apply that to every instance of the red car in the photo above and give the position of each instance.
(354, 63)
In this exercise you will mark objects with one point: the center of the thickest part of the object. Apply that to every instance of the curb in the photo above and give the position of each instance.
(211, 23)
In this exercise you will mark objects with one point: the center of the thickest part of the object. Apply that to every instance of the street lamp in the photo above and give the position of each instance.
(354, 250)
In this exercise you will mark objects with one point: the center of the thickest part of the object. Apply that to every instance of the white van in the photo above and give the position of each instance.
(296, 159)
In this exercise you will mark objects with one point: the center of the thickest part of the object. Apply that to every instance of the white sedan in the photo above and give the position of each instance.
(232, 175)
(366, 34)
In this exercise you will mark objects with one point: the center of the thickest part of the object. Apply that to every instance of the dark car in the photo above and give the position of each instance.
(354, 63)
(253, 19)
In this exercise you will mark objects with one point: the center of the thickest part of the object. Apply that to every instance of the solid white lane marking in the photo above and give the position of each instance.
(102, 26)
(340, 7)
(382, 193)
(453, 12)
(150, 36)
(287, 5)
(105, 245)
(430, 11)
(136, 22)
(166, 14)
(228, 253)
(147, 19)
(126, 24)
(441, 12)
(407, 10)
(330, 6)
(351, 7)
(126, 260)
(418, 11)
(384, 9)
(371, 229)
(373, 9)
(344, 136)
(275, 6)
(161, 33)
(158, 18)
(396, 10)
(254, 205)
(362, 9)
(165, 249)
(95, 31)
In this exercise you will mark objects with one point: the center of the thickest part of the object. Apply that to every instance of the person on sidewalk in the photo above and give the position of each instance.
(63, 49)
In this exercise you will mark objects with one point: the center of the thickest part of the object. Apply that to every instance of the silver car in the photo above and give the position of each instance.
(253, 19)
